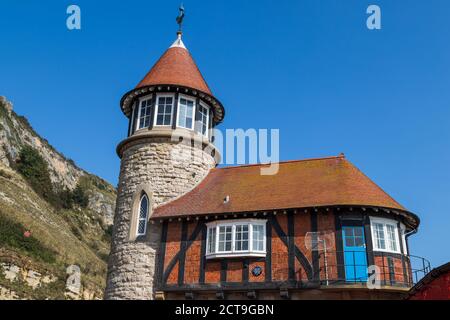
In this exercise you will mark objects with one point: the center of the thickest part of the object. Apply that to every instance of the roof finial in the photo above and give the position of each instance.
(180, 20)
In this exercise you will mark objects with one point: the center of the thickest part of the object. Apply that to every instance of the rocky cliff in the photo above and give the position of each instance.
(51, 247)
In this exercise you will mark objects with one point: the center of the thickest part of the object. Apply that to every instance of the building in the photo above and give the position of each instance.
(434, 286)
(185, 229)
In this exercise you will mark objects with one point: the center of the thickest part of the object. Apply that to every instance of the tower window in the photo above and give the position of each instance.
(203, 118)
(385, 235)
(236, 238)
(143, 216)
(144, 115)
(164, 111)
(186, 113)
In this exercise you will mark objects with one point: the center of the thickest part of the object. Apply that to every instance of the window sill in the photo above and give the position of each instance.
(386, 251)
(168, 128)
(236, 255)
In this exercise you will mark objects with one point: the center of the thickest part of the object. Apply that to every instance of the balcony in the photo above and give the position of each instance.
(368, 268)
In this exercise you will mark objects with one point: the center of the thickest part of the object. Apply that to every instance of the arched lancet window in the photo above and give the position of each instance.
(143, 215)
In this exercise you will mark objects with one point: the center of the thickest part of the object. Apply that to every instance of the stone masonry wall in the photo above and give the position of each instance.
(171, 170)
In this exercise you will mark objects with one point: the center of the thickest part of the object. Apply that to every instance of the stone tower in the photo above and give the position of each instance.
(168, 151)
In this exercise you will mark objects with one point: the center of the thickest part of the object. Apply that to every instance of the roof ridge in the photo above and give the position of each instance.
(281, 162)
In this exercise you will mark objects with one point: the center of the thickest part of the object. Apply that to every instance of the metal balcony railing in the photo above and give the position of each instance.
(353, 267)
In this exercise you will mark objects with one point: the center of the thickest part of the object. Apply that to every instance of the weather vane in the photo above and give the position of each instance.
(180, 18)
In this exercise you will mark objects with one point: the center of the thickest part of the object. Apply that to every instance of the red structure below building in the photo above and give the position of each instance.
(434, 286)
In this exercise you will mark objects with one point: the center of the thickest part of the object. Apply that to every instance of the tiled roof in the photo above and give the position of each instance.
(298, 184)
(177, 67)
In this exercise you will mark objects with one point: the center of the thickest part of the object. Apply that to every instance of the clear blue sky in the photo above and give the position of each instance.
(310, 68)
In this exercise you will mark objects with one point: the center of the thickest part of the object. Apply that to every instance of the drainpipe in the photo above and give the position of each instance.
(414, 231)
(407, 235)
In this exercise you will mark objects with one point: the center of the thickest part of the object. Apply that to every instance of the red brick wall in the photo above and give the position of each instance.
(436, 289)
(398, 270)
(279, 252)
(302, 225)
(193, 256)
(234, 271)
(173, 276)
(172, 248)
(399, 276)
(326, 226)
(212, 272)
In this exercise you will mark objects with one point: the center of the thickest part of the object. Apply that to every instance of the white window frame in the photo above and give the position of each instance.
(138, 120)
(139, 219)
(384, 222)
(155, 114)
(206, 134)
(235, 253)
(132, 127)
(194, 109)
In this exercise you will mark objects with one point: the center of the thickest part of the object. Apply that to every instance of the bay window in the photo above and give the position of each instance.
(236, 238)
(385, 235)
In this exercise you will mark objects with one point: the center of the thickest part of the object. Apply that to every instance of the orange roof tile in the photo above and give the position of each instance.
(177, 67)
(298, 184)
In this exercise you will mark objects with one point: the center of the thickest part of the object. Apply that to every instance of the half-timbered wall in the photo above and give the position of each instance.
(290, 262)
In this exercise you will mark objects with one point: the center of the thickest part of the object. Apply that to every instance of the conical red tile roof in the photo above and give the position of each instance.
(177, 67)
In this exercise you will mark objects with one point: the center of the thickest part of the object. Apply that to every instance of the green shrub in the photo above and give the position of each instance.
(76, 232)
(79, 197)
(34, 169)
(108, 234)
(103, 256)
(68, 199)
(12, 235)
(65, 199)
(24, 121)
